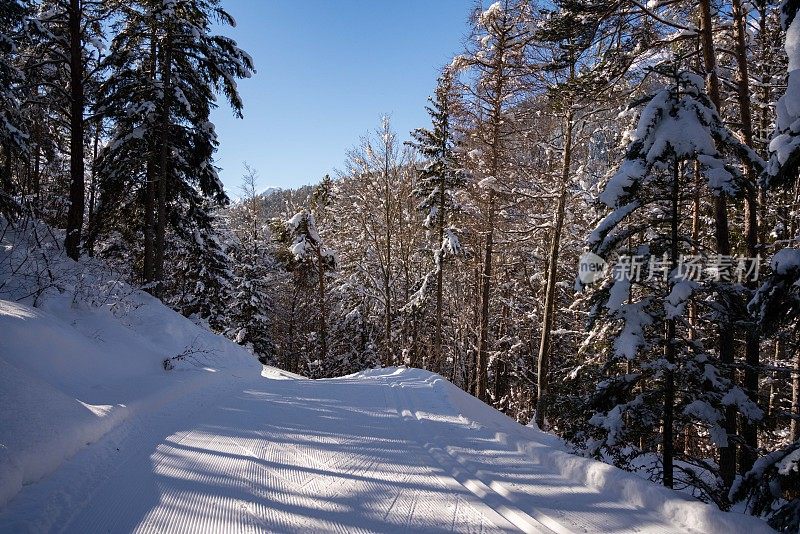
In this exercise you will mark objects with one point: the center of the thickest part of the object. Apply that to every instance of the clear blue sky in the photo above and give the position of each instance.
(327, 71)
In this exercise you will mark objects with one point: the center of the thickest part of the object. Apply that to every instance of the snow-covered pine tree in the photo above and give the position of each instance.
(354, 329)
(655, 371)
(769, 488)
(306, 256)
(784, 148)
(255, 270)
(201, 266)
(65, 39)
(165, 66)
(583, 50)
(438, 182)
(13, 138)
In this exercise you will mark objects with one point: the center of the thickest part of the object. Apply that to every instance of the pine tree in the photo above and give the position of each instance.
(63, 50)
(678, 125)
(769, 487)
(13, 138)
(438, 182)
(585, 47)
(498, 62)
(165, 66)
(306, 256)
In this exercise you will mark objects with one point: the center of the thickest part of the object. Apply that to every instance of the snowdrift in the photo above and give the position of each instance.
(80, 352)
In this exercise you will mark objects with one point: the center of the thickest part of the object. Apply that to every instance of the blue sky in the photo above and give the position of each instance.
(327, 71)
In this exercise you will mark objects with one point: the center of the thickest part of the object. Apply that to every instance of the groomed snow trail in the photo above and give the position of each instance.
(382, 451)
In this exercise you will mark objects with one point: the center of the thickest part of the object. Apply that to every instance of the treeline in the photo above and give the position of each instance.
(655, 137)
(660, 138)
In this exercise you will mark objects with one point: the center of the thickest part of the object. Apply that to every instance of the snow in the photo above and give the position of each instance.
(490, 182)
(786, 140)
(491, 13)
(785, 261)
(791, 462)
(96, 436)
(383, 450)
(677, 124)
(69, 374)
(450, 242)
(675, 304)
(81, 352)
(631, 337)
(614, 190)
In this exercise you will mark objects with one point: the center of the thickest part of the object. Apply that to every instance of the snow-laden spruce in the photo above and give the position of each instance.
(658, 371)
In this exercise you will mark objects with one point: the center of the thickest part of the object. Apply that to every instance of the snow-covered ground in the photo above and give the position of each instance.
(70, 373)
(97, 436)
(386, 450)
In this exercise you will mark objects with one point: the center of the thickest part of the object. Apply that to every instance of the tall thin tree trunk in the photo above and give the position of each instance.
(37, 172)
(76, 165)
(150, 184)
(164, 171)
(668, 438)
(795, 424)
(387, 288)
(323, 332)
(437, 336)
(93, 193)
(752, 338)
(482, 363)
(548, 319)
(5, 175)
(791, 342)
(727, 460)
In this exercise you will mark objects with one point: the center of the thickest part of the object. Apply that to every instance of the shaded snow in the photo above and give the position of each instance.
(391, 449)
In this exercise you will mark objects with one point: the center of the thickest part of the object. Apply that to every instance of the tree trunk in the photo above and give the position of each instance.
(150, 185)
(387, 289)
(549, 316)
(795, 424)
(668, 439)
(323, 333)
(164, 173)
(727, 454)
(752, 338)
(5, 179)
(437, 337)
(482, 363)
(93, 193)
(76, 164)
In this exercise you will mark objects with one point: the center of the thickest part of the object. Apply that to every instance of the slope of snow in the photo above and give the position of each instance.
(68, 375)
(390, 450)
(88, 356)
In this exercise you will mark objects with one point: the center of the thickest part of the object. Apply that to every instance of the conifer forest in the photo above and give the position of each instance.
(595, 232)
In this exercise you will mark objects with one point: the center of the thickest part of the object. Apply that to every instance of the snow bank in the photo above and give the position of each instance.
(548, 450)
(72, 369)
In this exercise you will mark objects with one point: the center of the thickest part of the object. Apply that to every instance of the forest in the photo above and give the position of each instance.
(597, 231)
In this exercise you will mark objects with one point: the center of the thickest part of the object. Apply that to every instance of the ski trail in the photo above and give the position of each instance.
(382, 451)
(537, 499)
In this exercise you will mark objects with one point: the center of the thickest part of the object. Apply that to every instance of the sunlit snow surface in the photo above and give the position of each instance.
(392, 450)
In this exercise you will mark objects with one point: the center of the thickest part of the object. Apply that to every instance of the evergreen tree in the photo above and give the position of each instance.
(165, 67)
(13, 137)
(678, 125)
(498, 61)
(305, 255)
(438, 182)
